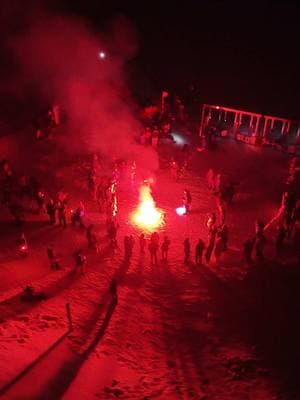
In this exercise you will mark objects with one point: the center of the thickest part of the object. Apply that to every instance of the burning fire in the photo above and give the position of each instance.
(147, 216)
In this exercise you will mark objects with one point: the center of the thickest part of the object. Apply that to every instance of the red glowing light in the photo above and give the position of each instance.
(23, 248)
(147, 216)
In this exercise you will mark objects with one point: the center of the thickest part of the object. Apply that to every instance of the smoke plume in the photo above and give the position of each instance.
(59, 54)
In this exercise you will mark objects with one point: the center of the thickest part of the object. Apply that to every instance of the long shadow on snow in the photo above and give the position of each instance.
(184, 341)
(15, 306)
(67, 373)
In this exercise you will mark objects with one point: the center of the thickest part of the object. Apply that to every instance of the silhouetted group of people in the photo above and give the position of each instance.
(287, 219)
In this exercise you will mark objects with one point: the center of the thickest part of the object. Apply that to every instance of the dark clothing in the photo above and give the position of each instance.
(187, 250)
(219, 247)
(259, 246)
(61, 207)
(247, 251)
(142, 244)
(50, 253)
(91, 237)
(280, 240)
(211, 242)
(40, 199)
(223, 232)
(80, 260)
(153, 248)
(199, 252)
(77, 217)
(114, 290)
(112, 229)
(187, 200)
(128, 246)
(222, 210)
(165, 249)
(51, 211)
(209, 250)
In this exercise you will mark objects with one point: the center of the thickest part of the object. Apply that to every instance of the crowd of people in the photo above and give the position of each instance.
(103, 188)
(287, 221)
(18, 189)
(103, 191)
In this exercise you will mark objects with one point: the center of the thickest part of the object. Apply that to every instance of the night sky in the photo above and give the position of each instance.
(242, 54)
(236, 54)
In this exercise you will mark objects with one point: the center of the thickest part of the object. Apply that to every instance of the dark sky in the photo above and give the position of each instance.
(239, 54)
(243, 54)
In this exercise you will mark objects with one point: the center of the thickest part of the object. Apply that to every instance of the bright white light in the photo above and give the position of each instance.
(102, 54)
(178, 138)
(181, 210)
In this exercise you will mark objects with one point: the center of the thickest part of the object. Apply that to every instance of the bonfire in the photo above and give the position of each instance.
(147, 216)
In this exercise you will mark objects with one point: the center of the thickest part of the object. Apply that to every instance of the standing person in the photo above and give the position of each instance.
(92, 184)
(219, 247)
(187, 250)
(221, 205)
(155, 238)
(51, 211)
(287, 205)
(16, 210)
(132, 172)
(259, 227)
(211, 243)
(40, 199)
(218, 183)
(62, 196)
(80, 261)
(259, 246)
(187, 200)
(142, 243)
(165, 248)
(247, 251)
(92, 238)
(112, 228)
(199, 252)
(174, 169)
(89, 235)
(155, 137)
(281, 236)
(210, 178)
(260, 240)
(211, 221)
(183, 168)
(153, 248)
(96, 166)
(54, 264)
(78, 215)
(22, 245)
(224, 235)
(100, 196)
(61, 208)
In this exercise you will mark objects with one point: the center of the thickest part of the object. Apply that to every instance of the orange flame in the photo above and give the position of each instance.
(147, 216)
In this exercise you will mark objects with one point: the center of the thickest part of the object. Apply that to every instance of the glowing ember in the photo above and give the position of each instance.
(147, 216)
(181, 210)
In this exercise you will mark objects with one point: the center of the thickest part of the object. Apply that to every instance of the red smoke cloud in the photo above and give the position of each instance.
(60, 55)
